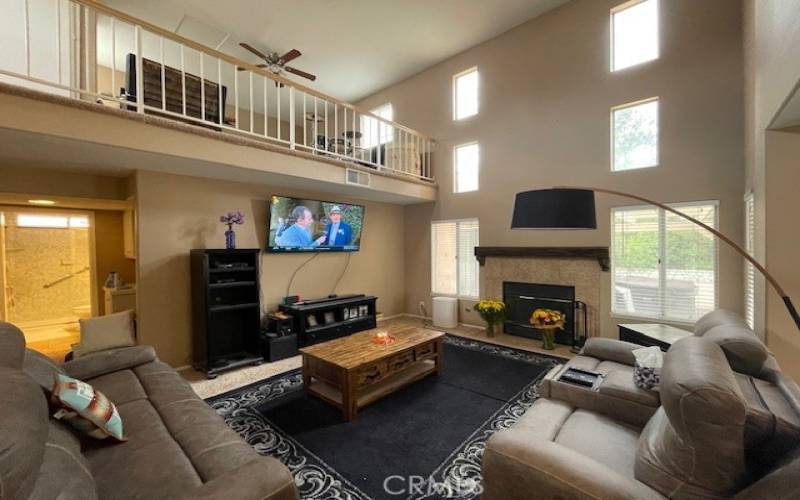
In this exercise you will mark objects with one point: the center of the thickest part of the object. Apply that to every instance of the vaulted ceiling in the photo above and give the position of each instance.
(355, 47)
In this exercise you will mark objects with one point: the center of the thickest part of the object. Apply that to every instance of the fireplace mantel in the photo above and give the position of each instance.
(599, 253)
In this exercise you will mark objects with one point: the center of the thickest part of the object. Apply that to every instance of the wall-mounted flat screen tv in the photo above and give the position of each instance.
(299, 225)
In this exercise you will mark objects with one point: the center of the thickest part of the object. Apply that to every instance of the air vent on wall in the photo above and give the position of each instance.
(353, 176)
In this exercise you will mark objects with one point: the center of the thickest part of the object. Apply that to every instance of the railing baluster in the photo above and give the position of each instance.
(266, 108)
(378, 142)
(220, 100)
(335, 128)
(252, 115)
(354, 134)
(305, 132)
(202, 89)
(278, 101)
(291, 118)
(163, 74)
(58, 44)
(27, 38)
(316, 127)
(326, 125)
(137, 34)
(236, 96)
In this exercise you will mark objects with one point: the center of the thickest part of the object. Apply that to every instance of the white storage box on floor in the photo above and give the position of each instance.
(445, 312)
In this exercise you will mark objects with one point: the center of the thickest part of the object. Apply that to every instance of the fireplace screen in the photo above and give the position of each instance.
(523, 298)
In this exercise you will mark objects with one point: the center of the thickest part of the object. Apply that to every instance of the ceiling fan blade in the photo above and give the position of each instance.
(300, 73)
(291, 55)
(253, 50)
(256, 65)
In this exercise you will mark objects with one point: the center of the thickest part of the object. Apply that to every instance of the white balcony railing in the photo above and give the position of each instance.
(85, 50)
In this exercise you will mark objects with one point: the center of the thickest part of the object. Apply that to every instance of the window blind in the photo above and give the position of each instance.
(749, 270)
(454, 268)
(663, 266)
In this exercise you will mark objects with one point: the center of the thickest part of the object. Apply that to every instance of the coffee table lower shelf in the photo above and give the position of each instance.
(376, 391)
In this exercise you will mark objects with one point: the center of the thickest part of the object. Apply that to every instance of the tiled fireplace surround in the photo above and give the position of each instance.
(582, 273)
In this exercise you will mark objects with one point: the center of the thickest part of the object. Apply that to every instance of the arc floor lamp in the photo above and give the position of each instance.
(574, 208)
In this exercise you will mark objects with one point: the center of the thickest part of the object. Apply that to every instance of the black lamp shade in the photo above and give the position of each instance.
(554, 209)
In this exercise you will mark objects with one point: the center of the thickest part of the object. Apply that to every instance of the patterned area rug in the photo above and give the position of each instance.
(247, 410)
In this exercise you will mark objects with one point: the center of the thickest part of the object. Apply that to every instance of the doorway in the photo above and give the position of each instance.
(47, 273)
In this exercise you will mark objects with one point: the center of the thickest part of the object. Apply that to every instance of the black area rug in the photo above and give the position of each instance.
(424, 441)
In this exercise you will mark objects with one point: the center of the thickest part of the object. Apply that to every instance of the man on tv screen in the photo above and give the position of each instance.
(337, 232)
(298, 234)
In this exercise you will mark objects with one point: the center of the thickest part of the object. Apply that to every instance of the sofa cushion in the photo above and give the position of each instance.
(86, 409)
(41, 369)
(106, 332)
(121, 387)
(12, 346)
(716, 318)
(601, 438)
(64, 474)
(745, 352)
(694, 447)
(150, 464)
(23, 432)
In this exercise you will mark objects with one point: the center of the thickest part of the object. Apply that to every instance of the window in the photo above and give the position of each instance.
(465, 94)
(454, 268)
(374, 132)
(663, 266)
(634, 135)
(634, 33)
(749, 270)
(52, 221)
(466, 159)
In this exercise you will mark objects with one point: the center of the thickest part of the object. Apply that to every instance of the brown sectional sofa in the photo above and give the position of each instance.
(177, 447)
(710, 432)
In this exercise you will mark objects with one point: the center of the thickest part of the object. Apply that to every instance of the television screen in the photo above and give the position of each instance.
(297, 225)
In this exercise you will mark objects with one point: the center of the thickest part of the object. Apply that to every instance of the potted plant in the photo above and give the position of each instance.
(493, 312)
(230, 219)
(547, 321)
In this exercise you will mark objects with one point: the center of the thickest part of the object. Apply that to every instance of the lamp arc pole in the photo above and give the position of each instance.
(741, 251)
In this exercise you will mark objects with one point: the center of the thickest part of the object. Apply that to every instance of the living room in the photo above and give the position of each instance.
(456, 341)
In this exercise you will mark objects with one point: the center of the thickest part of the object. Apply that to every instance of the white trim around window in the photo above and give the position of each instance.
(454, 267)
(466, 100)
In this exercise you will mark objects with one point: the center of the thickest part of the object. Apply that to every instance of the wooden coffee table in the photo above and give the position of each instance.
(352, 372)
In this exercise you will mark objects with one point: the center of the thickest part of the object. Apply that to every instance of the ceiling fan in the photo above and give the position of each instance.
(276, 63)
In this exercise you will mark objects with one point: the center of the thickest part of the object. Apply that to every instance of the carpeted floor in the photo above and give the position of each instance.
(425, 441)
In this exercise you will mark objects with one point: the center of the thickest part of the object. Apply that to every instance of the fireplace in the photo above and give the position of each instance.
(522, 299)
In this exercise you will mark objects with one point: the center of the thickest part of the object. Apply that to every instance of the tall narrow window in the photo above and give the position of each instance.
(466, 161)
(749, 270)
(663, 266)
(634, 130)
(465, 94)
(634, 33)
(454, 268)
(375, 132)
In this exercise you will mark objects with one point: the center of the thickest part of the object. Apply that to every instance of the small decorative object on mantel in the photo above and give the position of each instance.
(547, 321)
(230, 219)
(493, 312)
(383, 338)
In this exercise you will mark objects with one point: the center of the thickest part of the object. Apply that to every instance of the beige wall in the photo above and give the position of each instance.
(772, 42)
(545, 96)
(14, 179)
(177, 214)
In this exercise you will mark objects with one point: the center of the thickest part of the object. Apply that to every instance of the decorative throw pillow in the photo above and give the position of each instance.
(86, 409)
(106, 332)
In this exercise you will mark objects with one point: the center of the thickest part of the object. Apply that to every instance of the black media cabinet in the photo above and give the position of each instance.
(226, 309)
(344, 315)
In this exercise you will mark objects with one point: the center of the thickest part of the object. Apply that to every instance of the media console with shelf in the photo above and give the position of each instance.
(226, 310)
(326, 319)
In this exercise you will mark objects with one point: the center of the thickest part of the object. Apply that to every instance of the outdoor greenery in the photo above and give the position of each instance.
(636, 136)
(689, 250)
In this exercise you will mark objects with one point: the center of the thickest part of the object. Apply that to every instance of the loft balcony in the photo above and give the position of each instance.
(201, 109)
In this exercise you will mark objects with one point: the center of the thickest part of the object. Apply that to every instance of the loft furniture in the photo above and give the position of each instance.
(355, 371)
(651, 334)
(574, 208)
(226, 309)
(310, 317)
(177, 446)
(174, 90)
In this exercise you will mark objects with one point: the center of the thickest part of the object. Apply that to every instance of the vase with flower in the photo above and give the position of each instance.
(547, 321)
(493, 312)
(230, 219)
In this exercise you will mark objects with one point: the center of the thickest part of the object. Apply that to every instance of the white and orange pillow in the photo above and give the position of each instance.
(86, 409)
